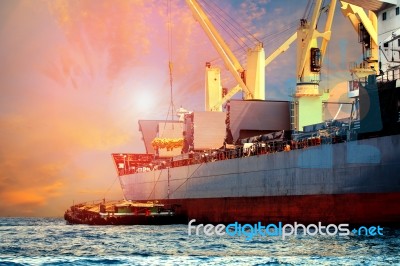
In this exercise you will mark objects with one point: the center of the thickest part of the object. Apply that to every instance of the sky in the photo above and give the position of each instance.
(75, 76)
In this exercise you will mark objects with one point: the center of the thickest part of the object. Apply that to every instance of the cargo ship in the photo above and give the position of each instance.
(257, 160)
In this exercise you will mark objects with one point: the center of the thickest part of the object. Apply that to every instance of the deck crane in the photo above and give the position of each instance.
(366, 26)
(308, 98)
(251, 82)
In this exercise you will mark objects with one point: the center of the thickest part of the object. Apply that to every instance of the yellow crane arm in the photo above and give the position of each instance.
(305, 51)
(327, 31)
(281, 49)
(357, 15)
(219, 44)
(226, 98)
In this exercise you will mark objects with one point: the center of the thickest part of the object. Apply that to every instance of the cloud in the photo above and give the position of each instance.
(29, 200)
(39, 151)
(34, 195)
(22, 197)
(102, 35)
(253, 10)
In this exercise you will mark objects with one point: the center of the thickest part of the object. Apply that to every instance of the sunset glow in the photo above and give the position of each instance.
(75, 76)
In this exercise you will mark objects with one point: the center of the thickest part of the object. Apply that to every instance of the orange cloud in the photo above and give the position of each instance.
(29, 201)
(23, 197)
(39, 168)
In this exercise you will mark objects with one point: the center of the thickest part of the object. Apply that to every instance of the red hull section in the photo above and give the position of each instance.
(362, 208)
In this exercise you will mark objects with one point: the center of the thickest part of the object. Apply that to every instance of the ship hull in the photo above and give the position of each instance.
(353, 182)
(363, 209)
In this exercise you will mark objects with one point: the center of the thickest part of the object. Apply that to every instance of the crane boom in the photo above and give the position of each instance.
(281, 49)
(226, 98)
(285, 46)
(307, 38)
(327, 31)
(357, 15)
(219, 44)
(363, 22)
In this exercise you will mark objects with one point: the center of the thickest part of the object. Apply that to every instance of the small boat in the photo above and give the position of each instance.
(122, 212)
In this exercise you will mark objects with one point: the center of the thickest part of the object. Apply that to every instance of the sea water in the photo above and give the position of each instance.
(50, 241)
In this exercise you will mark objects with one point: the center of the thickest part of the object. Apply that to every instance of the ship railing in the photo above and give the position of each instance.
(93, 202)
(303, 141)
(389, 75)
(316, 79)
(256, 148)
(89, 204)
(333, 134)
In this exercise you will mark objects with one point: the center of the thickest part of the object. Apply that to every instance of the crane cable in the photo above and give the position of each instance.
(170, 66)
(225, 25)
(235, 24)
(230, 25)
(274, 38)
(307, 10)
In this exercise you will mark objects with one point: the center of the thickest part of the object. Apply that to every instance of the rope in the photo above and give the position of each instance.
(224, 24)
(170, 66)
(323, 8)
(170, 57)
(238, 26)
(231, 24)
(307, 9)
(109, 188)
(169, 31)
(310, 11)
(274, 38)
